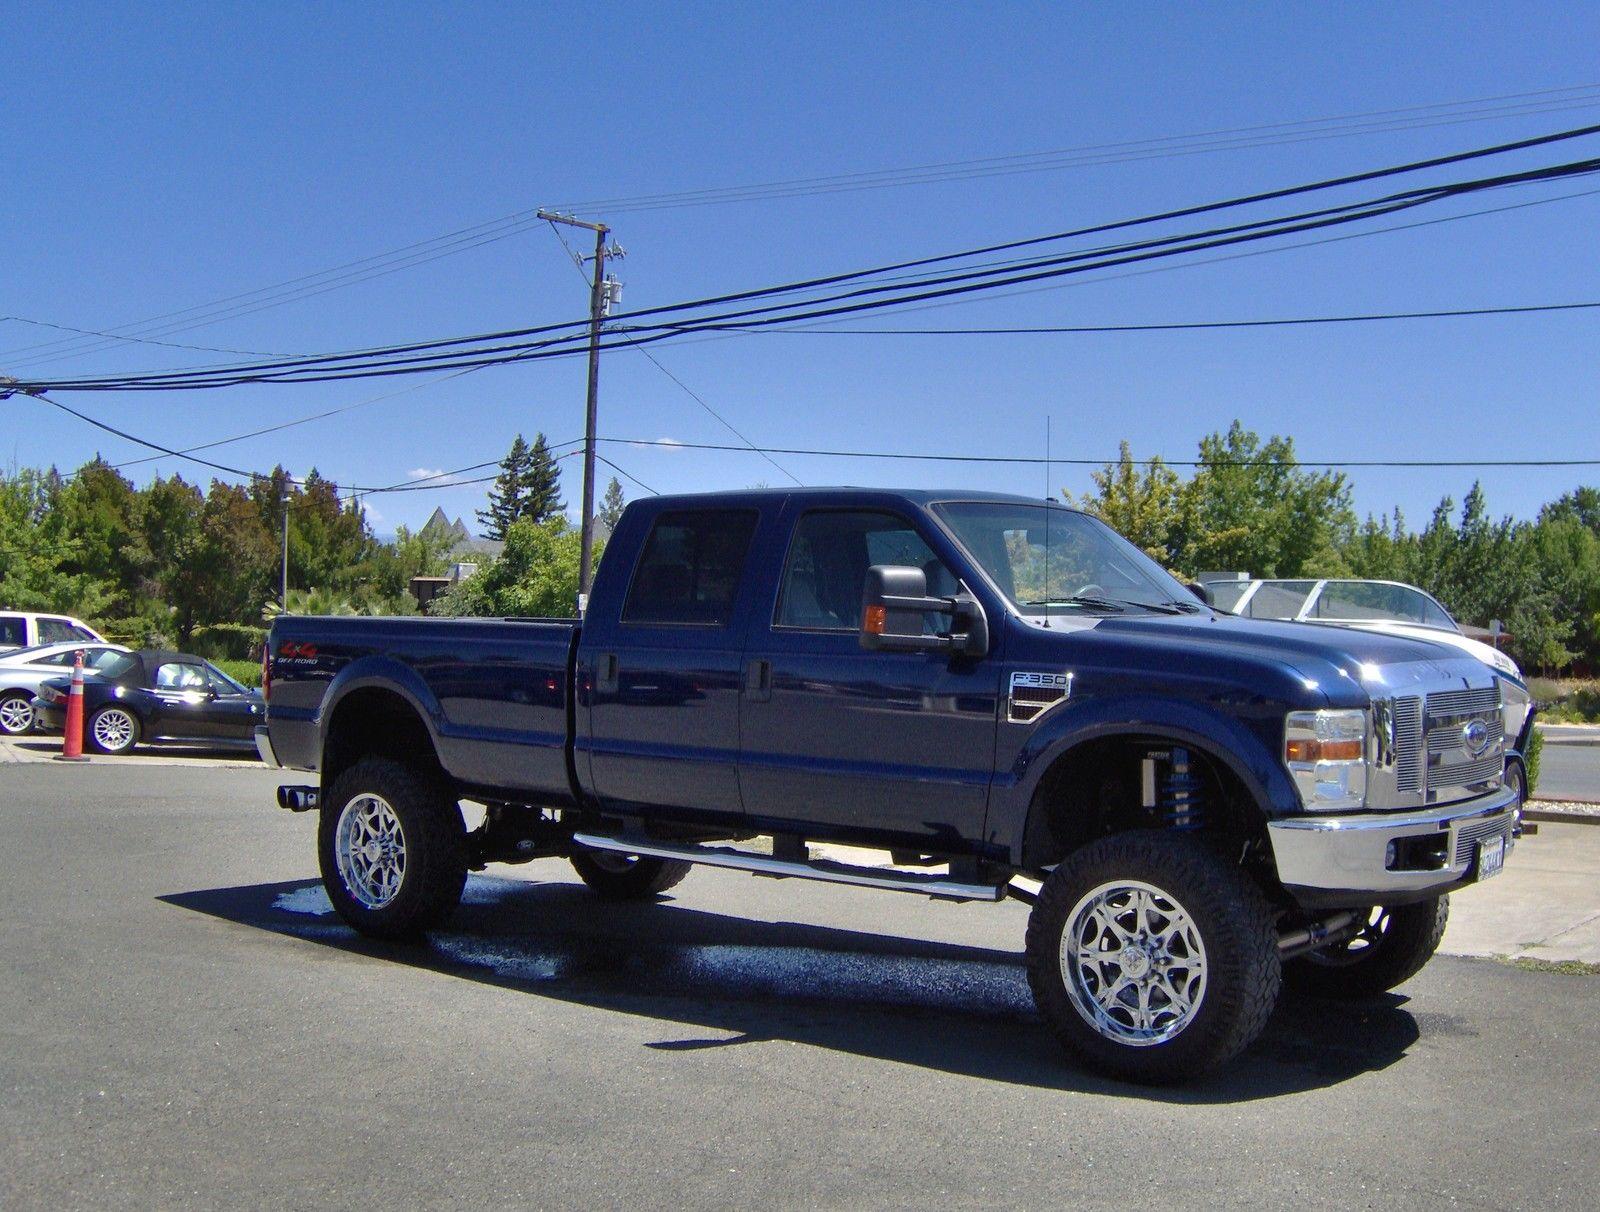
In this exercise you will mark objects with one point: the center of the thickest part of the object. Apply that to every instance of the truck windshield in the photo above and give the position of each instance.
(1091, 568)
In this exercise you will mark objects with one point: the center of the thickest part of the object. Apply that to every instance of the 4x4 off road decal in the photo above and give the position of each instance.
(1033, 694)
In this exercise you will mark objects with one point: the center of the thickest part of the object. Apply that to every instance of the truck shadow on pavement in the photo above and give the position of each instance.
(957, 1009)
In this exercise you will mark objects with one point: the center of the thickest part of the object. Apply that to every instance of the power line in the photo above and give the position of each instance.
(1039, 460)
(363, 269)
(384, 361)
(1187, 326)
(91, 332)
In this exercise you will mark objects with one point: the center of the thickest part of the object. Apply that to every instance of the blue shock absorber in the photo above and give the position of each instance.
(1180, 791)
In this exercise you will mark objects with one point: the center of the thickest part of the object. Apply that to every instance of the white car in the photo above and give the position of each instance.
(29, 629)
(24, 670)
(1392, 608)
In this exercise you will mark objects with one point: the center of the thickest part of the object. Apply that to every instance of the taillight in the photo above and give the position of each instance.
(266, 671)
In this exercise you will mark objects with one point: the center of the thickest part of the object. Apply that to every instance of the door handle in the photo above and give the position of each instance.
(607, 677)
(758, 681)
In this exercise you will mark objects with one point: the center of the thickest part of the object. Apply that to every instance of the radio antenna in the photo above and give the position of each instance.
(1047, 521)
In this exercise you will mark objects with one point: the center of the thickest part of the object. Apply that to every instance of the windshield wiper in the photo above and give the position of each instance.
(1118, 605)
(1080, 599)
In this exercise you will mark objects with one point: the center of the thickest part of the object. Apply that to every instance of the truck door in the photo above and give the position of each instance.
(663, 673)
(837, 737)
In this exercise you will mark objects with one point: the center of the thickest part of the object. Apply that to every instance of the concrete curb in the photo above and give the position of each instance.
(1557, 817)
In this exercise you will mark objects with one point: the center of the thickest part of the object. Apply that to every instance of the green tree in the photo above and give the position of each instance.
(611, 506)
(1251, 507)
(99, 510)
(219, 567)
(1141, 507)
(543, 483)
(508, 496)
(41, 561)
(536, 575)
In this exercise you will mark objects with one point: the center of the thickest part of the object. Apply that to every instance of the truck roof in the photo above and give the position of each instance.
(846, 494)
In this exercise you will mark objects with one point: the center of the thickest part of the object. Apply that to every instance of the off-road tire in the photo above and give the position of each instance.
(1235, 927)
(641, 879)
(435, 846)
(92, 741)
(1346, 972)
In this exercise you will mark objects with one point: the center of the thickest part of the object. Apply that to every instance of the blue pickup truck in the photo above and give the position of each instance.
(1000, 691)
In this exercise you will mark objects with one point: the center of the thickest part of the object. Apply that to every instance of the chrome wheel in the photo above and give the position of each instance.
(16, 715)
(1133, 963)
(113, 730)
(370, 848)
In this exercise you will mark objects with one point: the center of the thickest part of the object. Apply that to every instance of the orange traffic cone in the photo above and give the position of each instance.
(72, 734)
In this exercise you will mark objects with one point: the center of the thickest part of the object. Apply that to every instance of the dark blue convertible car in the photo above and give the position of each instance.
(155, 695)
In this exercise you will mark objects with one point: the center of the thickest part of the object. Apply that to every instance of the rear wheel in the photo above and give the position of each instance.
(393, 849)
(1152, 958)
(16, 713)
(1391, 948)
(112, 730)
(627, 877)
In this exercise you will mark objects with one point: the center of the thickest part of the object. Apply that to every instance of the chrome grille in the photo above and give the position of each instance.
(1483, 702)
(1469, 835)
(1408, 744)
(1448, 763)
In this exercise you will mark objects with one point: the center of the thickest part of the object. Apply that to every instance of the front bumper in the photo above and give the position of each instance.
(264, 746)
(1347, 861)
(48, 718)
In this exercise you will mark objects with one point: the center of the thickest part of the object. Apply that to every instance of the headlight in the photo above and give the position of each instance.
(1326, 752)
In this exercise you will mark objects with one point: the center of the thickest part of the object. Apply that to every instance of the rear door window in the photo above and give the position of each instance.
(13, 632)
(689, 571)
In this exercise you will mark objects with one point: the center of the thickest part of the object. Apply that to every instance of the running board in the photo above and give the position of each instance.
(817, 869)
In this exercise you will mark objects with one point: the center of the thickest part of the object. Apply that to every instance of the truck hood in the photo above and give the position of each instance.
(1343, 665)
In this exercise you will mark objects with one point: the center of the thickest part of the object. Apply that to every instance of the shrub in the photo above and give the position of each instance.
(1531, 758)
(246, 672)
(227, 641)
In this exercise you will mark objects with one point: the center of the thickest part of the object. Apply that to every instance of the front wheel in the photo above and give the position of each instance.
(112, 730)
(393, 849)
(1391, 948)
(627, 877)
(1152, 958)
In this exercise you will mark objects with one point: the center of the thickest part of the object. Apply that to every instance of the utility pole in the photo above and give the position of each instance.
(284, 596)
(603, 292)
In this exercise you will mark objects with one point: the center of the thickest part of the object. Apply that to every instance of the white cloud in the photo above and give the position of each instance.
(435, 475)
(666, 444)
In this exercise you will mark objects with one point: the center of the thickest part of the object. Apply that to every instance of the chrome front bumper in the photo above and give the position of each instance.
(1348, 859)
(264, 746)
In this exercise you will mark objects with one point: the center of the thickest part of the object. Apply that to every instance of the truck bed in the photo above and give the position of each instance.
(495, 693)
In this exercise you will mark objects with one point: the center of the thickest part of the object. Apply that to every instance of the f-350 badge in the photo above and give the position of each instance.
(1034, 693)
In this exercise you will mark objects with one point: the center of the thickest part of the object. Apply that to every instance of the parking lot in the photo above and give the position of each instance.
(186, 1025)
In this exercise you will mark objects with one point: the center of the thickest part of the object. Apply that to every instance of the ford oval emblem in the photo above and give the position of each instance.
(1475, 737)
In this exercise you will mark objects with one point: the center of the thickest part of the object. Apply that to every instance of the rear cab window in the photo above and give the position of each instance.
(690, 569)
(13, 631)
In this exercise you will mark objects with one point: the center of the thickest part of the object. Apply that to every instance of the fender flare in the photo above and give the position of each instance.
(1219, 735)
(383, 673)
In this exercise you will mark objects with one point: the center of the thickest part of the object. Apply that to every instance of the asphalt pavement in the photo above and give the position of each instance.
(1569, 766)
(183, 1024)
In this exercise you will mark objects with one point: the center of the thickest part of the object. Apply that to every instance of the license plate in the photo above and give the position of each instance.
(1491, 857)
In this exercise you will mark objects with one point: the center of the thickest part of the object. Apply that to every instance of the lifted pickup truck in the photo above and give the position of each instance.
(996, 689)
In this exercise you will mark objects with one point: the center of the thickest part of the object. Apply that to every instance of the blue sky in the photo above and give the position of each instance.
(165, 156)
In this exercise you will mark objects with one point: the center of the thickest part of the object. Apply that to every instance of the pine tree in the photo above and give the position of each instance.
(541, 484)
(611, 505)
(509, 497)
